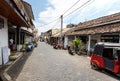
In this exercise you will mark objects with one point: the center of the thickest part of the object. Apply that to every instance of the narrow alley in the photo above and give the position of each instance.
(48, 64)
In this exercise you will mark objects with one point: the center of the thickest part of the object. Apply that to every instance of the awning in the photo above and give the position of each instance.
(13, 16)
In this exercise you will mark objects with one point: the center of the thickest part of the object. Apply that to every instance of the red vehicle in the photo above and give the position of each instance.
(106, 56)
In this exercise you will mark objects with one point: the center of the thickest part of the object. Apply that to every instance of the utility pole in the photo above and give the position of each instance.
(61, 28)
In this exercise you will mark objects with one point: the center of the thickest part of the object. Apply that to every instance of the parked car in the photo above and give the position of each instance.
(106, 56)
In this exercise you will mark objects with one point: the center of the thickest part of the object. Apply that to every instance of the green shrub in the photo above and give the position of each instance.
(78, 45)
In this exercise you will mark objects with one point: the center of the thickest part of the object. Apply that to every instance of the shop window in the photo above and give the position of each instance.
(1, 23)
(110, 38)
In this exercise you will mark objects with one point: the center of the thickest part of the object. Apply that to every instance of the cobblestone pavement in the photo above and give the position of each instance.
(48, 64)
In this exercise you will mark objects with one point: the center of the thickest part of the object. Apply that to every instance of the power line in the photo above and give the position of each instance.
(50, 22)
(63, 14)
(58, 22)
(78, 8)
(83, 7)
(71, 7)
(67, 11)
(46, 17)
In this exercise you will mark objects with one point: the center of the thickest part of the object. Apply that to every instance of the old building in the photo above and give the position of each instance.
(49, 36)
(105, 29)
(14, 14)
(61, 38)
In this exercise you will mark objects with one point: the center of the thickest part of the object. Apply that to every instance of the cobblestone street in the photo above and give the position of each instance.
(48, 64)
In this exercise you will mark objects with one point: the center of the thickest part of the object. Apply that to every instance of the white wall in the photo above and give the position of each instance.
(4, 38)
(65, 42)
(0, 57)
(4, 33)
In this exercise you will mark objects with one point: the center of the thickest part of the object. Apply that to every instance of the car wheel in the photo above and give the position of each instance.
(94, 66)
(118, 75)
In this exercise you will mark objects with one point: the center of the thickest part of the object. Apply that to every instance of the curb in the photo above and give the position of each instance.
(5, 76)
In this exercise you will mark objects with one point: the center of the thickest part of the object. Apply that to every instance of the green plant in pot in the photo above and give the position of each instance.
(81, 48)
(78, 45)
(13, 56)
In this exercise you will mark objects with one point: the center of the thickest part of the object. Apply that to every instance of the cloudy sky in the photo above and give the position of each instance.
(47, 12)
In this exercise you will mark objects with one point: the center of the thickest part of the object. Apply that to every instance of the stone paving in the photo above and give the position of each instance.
(48, 64)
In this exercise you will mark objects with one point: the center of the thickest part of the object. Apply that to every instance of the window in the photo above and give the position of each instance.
(110, 38)
(98, 50)
(1, 23)
(108, 53)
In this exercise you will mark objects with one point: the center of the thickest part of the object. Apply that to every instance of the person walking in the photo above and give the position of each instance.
(11, 44)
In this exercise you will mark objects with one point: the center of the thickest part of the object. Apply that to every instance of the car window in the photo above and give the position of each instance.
(98, 49)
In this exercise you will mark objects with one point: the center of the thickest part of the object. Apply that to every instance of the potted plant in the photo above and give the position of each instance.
(78, 46)
(81, 48)
(76, 43)
(13, 56)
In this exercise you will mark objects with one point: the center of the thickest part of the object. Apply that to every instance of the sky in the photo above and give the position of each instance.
(47, 12)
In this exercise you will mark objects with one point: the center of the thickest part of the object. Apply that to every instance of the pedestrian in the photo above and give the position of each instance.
(11, 44)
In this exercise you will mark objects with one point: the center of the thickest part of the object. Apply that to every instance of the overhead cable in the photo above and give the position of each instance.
(78, 8)
(49, 22)
(68, 10)
(84, 7)
(58, 22)
(71, 7)
(63, 14)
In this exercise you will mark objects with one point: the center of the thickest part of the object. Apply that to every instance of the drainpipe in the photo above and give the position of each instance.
(89, 39)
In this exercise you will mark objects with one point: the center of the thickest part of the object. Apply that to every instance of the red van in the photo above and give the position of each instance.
(106, 56)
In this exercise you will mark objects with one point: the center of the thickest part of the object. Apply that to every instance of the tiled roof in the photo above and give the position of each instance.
(58, 34)
(106, 24)
(100, 20)
(98, 30)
